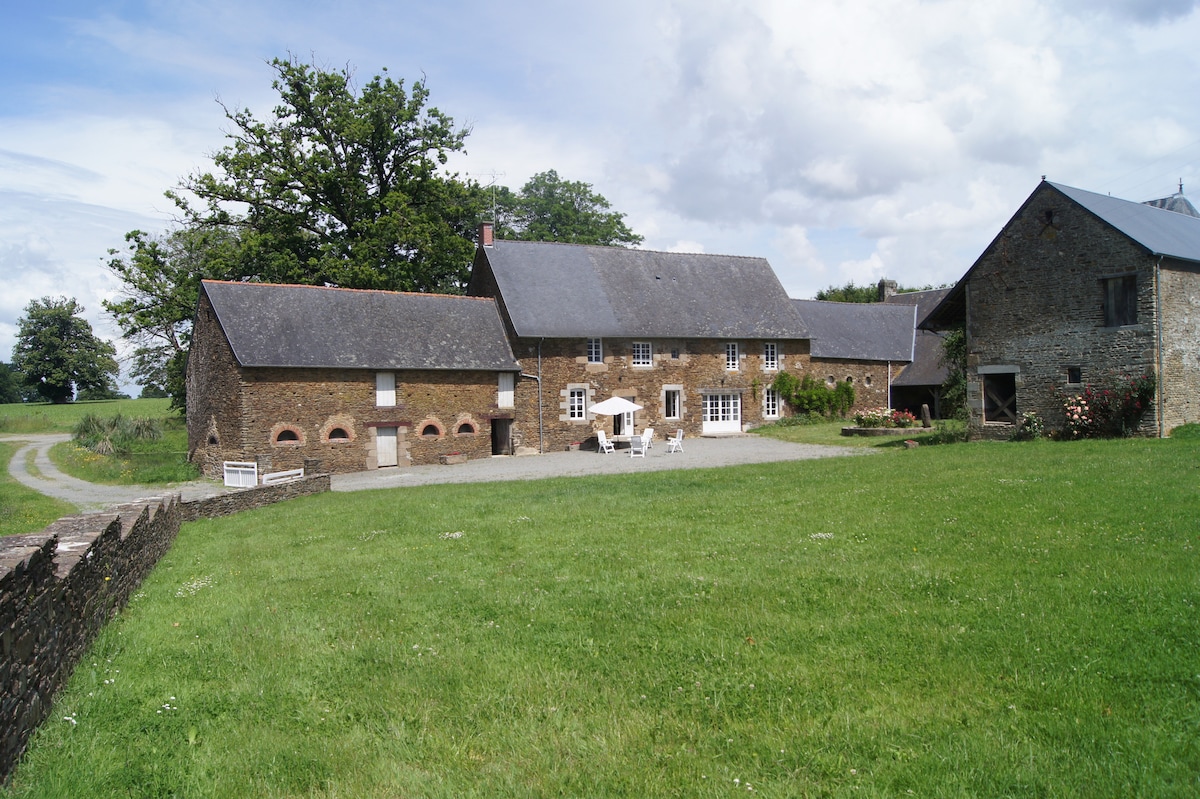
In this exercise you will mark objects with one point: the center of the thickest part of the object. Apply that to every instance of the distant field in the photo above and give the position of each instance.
(983, 620)
(47, 418)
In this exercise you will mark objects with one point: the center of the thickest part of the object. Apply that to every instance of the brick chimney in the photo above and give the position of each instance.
(486, 238)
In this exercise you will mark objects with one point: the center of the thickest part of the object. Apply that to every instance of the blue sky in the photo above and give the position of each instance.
(846, 140)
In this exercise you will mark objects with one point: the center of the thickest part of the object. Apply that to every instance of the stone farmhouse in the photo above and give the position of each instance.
(339, 381)
(1080, 288)
(696, 340)
(920, 382)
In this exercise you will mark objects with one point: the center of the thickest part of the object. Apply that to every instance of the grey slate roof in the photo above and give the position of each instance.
(556, 290)
(926, 368)
(1177, 203)
(311, 326)
(1160, 231)
(859, 331)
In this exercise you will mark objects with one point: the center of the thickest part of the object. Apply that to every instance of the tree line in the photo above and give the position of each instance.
(339, 185)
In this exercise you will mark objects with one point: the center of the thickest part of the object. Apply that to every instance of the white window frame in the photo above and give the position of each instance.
(770, 356)
(770, 404)
(731, 356)
(668, 393)
(576, 404)
(642, 354)
(506, 384)
(595, 350)
(385, 389)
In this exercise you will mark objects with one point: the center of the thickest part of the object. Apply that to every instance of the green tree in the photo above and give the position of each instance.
(849, 293)
(160, 284)
(549, 208)
(954, 358)
(10, 388)
(342, 186)
(57, 352)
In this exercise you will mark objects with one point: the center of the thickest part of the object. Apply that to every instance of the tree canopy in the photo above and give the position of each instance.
(57, 353)
(851, 292)
(341, 186)
(549, 208)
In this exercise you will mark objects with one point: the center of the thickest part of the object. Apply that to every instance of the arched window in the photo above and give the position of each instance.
(338, 434)
(466, 428)
(287, 435)
(430, 431)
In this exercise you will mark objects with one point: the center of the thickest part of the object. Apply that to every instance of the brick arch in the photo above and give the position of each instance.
(466, 419)
(287, 427)
(338, 422)
(428, 423)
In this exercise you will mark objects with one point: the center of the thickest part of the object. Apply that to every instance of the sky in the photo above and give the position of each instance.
(842, 141)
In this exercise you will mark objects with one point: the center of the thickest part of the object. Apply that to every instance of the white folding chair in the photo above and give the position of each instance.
(637, 447)
(676, 444)
(605, 444)
(648, 437)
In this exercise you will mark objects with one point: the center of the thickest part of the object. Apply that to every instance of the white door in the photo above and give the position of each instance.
(385, 446)
(722, 413)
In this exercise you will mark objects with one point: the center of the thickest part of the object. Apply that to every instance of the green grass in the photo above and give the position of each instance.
(979, 620)
(150, 462)
(831, 433)
(23, 510)
(47, 418)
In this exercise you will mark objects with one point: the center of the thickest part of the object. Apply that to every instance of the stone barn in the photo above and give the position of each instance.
(338, 380)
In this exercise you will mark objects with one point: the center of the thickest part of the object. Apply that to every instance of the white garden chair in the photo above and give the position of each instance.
(605, 445)
(637, 447)
(675, 444)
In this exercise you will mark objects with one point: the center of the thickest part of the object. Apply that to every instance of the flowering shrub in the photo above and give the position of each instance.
(1099, 413)
(884, 417)
(1031, 427)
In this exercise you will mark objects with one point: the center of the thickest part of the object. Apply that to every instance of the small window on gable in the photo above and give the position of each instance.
(212, 440)
(466, 428)
(1120, 300)
(287, 435)
(338, 434)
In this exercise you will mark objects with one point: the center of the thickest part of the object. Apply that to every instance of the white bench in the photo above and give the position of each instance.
(282, 477)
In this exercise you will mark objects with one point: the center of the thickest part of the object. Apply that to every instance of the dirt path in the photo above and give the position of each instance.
(86, 496)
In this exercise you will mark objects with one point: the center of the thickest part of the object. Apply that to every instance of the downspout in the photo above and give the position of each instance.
(541, 422)
(1158, 326)
(889, 397)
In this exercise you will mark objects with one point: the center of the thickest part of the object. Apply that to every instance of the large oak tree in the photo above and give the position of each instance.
(57, 353)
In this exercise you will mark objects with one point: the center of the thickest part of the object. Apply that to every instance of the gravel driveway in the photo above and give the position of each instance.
(698, 453)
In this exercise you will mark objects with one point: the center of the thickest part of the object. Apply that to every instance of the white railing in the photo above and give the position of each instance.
(241, 474)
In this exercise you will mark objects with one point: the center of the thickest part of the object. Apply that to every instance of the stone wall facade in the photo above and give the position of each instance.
(693, 368)
(328, 420)
(58, 588)
(869, 378)
(1036, 320)
(1179, 388)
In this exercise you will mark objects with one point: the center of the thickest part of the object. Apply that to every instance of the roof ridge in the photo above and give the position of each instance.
(631, 249)
(344, 288)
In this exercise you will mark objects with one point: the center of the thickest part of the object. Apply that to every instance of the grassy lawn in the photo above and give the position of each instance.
(23, 510)
(47, 418)
(161, 461)
(974, 620)
(831, 433)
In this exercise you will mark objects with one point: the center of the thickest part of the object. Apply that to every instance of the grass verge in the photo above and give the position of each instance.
(979, 620)
(160, 461)
(23, 510)
(48, 418)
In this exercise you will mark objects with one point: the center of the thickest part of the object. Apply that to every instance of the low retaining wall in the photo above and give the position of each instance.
(59, 586)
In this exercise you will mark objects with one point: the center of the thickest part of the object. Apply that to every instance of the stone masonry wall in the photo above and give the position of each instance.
(58, 588)
(1036, 309)
(690, 366)
(1180, 384)
(214, 405)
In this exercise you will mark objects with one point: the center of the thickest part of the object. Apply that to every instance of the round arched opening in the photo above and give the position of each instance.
(287, 435)
(339, 434)
(430, 431)
(466, 428)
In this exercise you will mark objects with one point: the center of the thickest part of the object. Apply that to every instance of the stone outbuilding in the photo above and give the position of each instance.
(338, 380)
(1080, 289)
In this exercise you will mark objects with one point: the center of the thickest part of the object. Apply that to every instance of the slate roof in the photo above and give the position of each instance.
(1177, 203)
(1160, 231)
(311, 326)
(859, 331)
(926, 368)
(557, 290)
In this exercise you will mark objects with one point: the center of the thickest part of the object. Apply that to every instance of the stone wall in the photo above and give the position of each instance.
(1180, 380)
(869, 378)
(58, 587)
(693, 367)
(1036, 310)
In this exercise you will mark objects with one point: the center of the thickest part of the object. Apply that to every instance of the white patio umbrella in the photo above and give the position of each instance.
(614, 406)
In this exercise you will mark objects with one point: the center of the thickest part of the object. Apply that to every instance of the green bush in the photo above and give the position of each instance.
(114, 435)
(1188, 432)
(808, 397)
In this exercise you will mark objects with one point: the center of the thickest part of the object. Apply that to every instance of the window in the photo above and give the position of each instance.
(867, 380)
(287, 435)
(385, 389)
(338, 434)
(731, 356)
(643, 354)
(466, 429)
(999, 397)
(1120, 300)
(430, 431)
(671, 403)
(770, 356)
(506, 381)
(1074, 375)
(595, 350)
(576, 404)
(770, 404)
